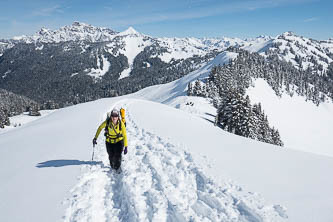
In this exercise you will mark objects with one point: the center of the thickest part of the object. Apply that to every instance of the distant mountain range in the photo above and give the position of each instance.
(290, 46)
(80, 62)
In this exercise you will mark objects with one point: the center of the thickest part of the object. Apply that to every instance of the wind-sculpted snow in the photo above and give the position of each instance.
(159, 182)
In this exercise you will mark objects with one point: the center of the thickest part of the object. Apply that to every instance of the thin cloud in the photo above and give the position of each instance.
(311, 19)
(108, 8)
(48, 11)
(203, 11)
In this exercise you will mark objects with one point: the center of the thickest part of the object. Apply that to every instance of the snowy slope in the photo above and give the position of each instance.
(103, 66)
(160, 182)
(179, 167)
(302, 125)
(302, 52)
(289, 47)
(328, 45)
(172, 172)
(166, 93)
(145, 191)
(134, 43)
(181, 48)
(24, 118)
(296, 180)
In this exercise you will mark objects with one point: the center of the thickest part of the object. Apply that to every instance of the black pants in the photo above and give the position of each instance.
(114, 150)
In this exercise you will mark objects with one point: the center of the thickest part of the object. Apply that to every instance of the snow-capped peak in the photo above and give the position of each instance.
(80, 24)
(288, 33)
(78, 31)
(81, 27)
(129, 31)
(43, 31)
(18, 38)
(264, 36)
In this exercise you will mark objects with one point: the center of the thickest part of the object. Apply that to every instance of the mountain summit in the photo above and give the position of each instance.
(78, 31)
(130, 31)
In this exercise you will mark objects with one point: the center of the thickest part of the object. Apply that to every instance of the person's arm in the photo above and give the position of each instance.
(102, 126)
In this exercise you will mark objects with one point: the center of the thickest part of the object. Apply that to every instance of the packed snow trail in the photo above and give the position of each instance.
(159, 182)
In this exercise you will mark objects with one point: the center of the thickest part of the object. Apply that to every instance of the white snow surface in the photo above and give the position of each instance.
(302, 125)
(180, 48)
(134, 43)
(6, 73)
(74, 74)
(160, 182)
(167, 93)
(24, 118)
(129, 31)
(40, 47)
(179, 167)
(258, 45)
(291, 45)
(103, 66)
(171, 173)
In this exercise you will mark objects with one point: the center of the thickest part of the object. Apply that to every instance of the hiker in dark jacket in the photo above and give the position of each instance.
(116, 139)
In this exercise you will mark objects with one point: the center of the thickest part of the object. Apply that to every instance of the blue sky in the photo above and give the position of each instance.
(173, 18)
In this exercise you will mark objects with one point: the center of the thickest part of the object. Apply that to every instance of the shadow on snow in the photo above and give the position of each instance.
(62, 163)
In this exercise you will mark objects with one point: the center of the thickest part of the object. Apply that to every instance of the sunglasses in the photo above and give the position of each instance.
(114, 115)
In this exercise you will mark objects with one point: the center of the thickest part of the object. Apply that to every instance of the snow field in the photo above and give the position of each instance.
(103, 66)
(24, 118)
(159, 182)
(301, 124)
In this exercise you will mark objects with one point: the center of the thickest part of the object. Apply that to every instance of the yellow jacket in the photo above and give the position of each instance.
(112, 135)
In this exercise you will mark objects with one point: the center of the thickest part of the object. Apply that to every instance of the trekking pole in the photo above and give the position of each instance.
(92, 158)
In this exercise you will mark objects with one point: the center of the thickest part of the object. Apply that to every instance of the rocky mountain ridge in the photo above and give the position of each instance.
(302, 52)
(80, 62)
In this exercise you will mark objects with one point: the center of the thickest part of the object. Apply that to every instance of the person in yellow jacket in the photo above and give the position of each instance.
(116, 138)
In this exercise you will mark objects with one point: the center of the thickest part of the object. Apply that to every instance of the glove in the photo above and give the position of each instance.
(125, 150)
(94, 141)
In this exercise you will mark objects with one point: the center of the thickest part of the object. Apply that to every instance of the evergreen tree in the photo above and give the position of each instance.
(4, 120)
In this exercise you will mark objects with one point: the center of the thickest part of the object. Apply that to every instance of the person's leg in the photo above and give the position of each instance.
(118, 149)
(110, 150)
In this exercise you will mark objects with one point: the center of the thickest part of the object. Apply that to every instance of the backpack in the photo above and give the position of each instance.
(122, 114)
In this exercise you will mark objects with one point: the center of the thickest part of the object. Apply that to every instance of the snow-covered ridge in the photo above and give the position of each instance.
(160, 182)
(300, 51)
(129, 31)
(78, 31)
(303, 52)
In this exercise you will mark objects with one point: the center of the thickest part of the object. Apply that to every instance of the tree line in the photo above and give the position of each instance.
(226, 87)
